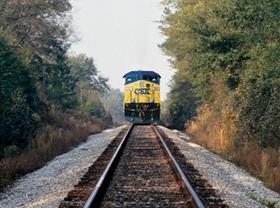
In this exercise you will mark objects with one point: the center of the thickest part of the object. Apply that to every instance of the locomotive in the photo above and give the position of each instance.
(142, 96)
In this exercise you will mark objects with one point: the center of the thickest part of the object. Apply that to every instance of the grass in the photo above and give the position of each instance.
(216, 131)
(64, 133)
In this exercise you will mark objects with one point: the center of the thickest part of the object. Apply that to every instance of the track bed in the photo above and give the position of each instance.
(144, 177)
(142, 169)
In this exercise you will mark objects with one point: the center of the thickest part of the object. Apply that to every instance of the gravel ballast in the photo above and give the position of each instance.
(235, 185)
(47, 186)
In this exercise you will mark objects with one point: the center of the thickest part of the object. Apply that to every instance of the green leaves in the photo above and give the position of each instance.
(181, 104)
(233, 43)
(40, 30)
(37, 78)
(85, 72)
(17, 96)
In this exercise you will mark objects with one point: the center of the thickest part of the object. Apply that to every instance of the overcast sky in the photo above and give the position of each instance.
(121, 36)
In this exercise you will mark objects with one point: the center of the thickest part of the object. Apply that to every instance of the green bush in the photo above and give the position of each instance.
(17, 96)
(95, 108)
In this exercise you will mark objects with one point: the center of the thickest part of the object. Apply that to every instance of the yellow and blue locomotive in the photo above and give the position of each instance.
(142, 96)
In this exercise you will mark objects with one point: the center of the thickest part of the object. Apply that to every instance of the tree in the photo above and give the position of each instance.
(17, 95)
(113, 103)
(86, 75)
(181, 103)
(41, 30)
(89, 84)
(229, 51)
(88, 81)
(35, 78)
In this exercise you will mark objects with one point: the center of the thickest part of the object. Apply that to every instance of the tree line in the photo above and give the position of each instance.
(226, 89)
(38, 76)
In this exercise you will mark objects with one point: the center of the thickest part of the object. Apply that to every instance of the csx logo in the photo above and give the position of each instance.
(142, 91)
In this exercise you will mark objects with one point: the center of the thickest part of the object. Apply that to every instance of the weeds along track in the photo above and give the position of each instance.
(140, 169)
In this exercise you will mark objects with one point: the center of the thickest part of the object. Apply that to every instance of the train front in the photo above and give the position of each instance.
(142, 97)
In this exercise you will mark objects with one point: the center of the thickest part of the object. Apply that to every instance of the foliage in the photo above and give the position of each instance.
(50, 140)
(229, 52)
(113, 103)
(89, 84)
(86, 73)
(181, 103)
(17, 95)
(48, 99)
(234, 42)
(86, 76)
(94, 107)
(260, 108)
(38, 79)
(40, 30)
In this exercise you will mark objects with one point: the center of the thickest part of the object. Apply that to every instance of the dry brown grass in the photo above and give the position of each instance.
(216, 131)
(50, 141)
(263, 163)
(211, 129)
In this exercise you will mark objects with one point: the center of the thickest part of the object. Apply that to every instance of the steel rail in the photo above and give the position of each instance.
(179, 171)
(97, 194)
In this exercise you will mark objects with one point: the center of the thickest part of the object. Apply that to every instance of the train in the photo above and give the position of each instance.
(142, 97)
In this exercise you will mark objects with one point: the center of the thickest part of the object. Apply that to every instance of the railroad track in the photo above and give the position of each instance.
(140, 169)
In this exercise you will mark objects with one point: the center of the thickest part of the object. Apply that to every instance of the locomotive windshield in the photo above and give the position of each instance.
(142, 75)
(150, 78)
(132, 78)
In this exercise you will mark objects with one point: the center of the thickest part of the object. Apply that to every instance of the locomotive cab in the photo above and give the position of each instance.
(142, 96)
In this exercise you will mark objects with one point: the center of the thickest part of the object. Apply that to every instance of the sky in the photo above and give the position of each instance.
(121, 36)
